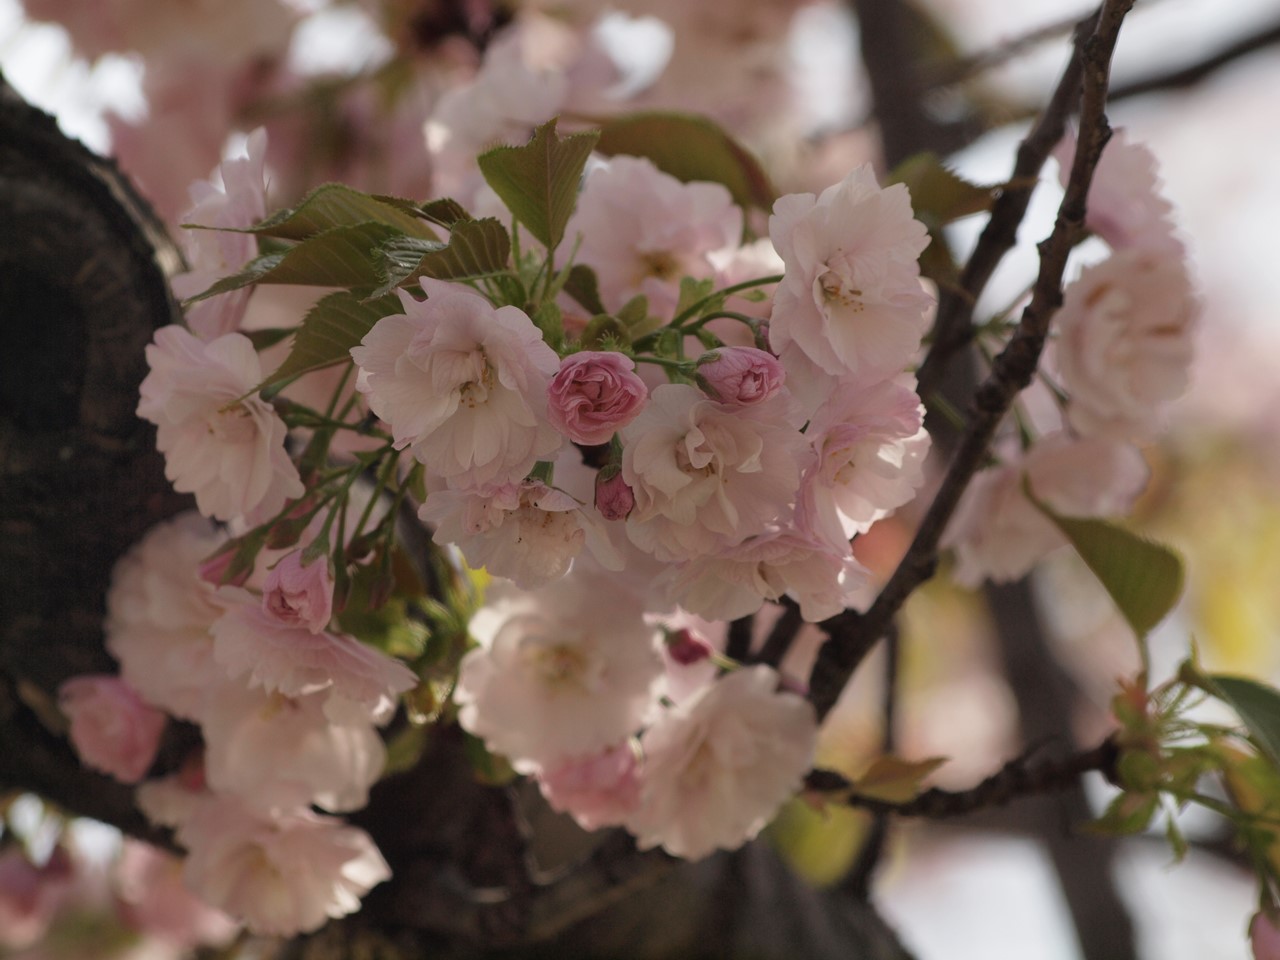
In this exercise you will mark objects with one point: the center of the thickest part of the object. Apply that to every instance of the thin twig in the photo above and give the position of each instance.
(1190, 74)
(1017, 778)
(852, 634)
(782, 635)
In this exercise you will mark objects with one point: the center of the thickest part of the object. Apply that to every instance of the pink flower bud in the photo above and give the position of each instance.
(687, 648)
(614, 499)
(111, 728)
(30, 895)
(740, 375)
(297, 595)
(1264, 937)
(595, 394)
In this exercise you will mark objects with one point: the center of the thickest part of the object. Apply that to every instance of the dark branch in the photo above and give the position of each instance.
(851, 634)
(1015, 779)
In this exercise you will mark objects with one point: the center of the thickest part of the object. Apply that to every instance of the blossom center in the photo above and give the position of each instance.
(838, 290)
(661, 264)
(232, 424)
(474, 393)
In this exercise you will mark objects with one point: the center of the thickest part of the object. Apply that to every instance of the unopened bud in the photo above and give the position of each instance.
(226, 567)
(740, 376)
(687, 648)
(1264, 936)
(614, 499)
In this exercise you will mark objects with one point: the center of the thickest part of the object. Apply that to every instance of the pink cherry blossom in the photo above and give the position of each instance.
(155, 901)
(462, 385)
(998, 534)
(214, 253)
(30, 895)
(706, 476)
(299, 596)
(220, 440)
(159, 613)
(740, 376)
(112, 729)
(280, 875)
(1264, 936)
(566, 671)
(598, 790)
(851, 298)
(718, 766)
(736, 581)
(642, 230)
(871, 446)
(594, 394)
(276, 752)
(358, 681)
(1125, 206)
(1125, 341)
(527, 532)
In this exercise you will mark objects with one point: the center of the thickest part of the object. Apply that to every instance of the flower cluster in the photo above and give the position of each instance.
(676, 425)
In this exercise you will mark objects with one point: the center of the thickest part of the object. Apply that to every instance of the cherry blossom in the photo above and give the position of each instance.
(871, 445)
(998, 534)
(1125, 206)
(358, 682)
(565, 671)
(159, 613)
(1125, 341)
(299, 596)
(216, 253)
(112, 729)
(281, 875)
(276, 752)
(598, 790)
(740, 376)
(527, 532)
(594, 394)
(220, 441)
(642, 230)
(736, 581)
(30, 895)
(851, 298)
(718, 766)
(706, 476)
(463, 386)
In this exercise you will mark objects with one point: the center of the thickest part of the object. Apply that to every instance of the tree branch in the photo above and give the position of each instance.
(1014, 780)
(852, 634)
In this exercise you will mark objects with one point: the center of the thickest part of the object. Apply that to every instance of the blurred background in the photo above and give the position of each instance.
(345, 89)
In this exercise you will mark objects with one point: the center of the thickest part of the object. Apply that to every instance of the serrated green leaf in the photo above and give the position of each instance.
(336, 205)
(404, 749)
(939, 195)
(1144, 578)
(550, 321)
(539, 181)
(690, 148)
(476, 248)
(583, 285)
(445, 212)
(1257, 704)
(1127, 814)
(328, 332)
(341, 257)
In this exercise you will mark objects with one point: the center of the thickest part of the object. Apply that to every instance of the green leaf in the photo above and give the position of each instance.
(335, 205)
(694, 291)
(894, 779)
(584, 287)
(445, 212)
(690, 148)
(1144, 578)
(328, 332)
(539, 181)
(938, 194)
(341, 257)
(476, 248)
(1257, 704)
(550, 321)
